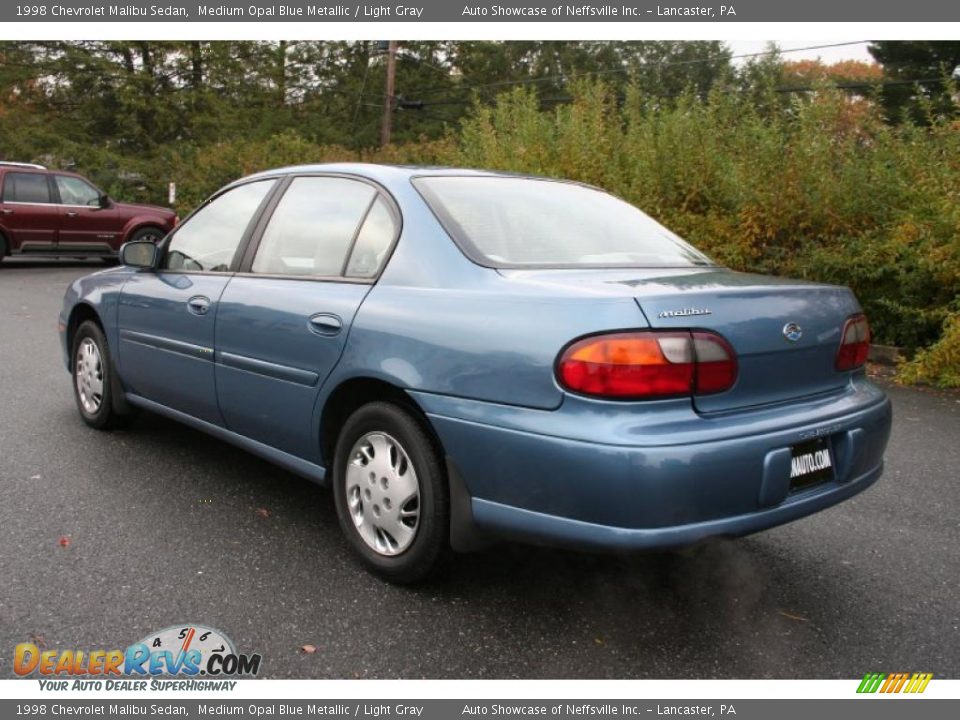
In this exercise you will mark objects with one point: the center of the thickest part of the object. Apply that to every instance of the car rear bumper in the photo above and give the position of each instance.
(577, 491)
(525, 525)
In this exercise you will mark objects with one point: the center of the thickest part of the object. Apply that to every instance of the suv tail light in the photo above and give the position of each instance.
(648, 365)
(854, 343)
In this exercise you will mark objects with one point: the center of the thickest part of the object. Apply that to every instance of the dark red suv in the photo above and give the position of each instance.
(54, 213)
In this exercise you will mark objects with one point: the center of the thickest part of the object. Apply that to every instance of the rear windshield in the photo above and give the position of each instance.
(508, 222)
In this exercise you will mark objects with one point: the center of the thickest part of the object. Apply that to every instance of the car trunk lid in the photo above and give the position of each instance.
(752, 312)
(785, 333)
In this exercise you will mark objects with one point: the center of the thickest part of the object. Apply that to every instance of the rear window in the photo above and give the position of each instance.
(26, 188)
(528, 222)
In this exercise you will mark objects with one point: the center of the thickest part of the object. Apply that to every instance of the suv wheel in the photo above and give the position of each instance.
(152, 234)
(391, 493)
(3, 247)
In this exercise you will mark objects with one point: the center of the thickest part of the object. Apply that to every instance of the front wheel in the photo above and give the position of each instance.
(92, 376)
(391, 492)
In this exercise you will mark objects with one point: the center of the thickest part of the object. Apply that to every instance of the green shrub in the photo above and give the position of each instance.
(938, 364)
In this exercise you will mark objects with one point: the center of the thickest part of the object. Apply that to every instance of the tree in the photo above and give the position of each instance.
(915, 72)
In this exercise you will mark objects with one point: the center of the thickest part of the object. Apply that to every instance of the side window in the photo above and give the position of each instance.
(209, 239)
(74, 191)
(373, 242)
(313, 227)
(26, 188)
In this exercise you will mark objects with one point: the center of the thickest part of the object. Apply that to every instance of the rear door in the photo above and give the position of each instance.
(84, 225)
(283, 321)
(166, 316)
(28, 211)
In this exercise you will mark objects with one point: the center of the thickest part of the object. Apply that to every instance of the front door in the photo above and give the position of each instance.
(28, 212)
(283, 324)
(167, 316)
(85, 226)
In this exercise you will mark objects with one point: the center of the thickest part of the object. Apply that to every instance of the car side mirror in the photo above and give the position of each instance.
(104, 200)
(139, 254)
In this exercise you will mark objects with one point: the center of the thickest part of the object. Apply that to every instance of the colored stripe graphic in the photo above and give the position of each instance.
(894, 683)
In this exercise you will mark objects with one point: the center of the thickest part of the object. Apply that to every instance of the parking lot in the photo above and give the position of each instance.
(161, 525)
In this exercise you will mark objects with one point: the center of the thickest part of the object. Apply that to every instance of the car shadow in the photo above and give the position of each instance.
(725, 593)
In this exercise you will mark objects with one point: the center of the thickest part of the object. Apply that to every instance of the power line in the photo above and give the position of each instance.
(613, 71)
(790, 89)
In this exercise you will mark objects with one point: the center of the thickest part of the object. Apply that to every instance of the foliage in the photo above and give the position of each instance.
(824, 190)
(940, 363)
(834, 185)
(916, 71)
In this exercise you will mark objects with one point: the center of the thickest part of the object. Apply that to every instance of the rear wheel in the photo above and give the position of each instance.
(3, 247)
(391, 492)
(93, 376)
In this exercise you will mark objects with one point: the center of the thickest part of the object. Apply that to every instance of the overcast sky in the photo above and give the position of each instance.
(827, 55)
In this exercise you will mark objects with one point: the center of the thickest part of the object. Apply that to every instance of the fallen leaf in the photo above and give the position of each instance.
(263, 512)
(308, 649)
(598, 641)
(798, 618)
(64, 541)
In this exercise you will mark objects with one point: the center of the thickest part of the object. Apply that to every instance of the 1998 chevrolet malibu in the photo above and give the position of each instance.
(468, 355)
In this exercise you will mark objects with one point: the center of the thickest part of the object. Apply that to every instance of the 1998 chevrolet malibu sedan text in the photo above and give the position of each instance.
(467, 355)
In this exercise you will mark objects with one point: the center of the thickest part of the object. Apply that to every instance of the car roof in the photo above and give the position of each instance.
(37, 169)
(378, 172)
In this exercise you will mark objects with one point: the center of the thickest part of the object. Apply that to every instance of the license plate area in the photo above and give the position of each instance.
(811, 463)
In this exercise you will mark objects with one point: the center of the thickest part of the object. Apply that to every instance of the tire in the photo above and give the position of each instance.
(383, 455)
(154, 234)
(3, 247)
(92, 371)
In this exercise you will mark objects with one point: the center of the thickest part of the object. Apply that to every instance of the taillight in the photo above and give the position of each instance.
(647, 365)
(854, 343)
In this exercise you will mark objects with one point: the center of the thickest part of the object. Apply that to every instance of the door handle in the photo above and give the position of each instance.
(6, 211)
(198, 305)
(71, 213)
(325, 324)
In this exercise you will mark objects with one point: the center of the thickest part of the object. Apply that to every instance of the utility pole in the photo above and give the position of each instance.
(386, 127)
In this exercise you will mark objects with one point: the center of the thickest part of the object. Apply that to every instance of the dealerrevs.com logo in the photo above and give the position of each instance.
(193, 655)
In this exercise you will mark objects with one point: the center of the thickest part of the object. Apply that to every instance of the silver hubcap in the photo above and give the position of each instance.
(383, 493)
(89, 375)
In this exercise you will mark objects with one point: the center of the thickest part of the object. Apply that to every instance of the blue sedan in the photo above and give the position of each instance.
(465, 356)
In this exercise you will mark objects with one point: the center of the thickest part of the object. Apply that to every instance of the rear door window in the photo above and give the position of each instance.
(314, 227)
(26, 188)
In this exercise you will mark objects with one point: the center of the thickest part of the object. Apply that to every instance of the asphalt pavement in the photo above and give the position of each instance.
(107, 536)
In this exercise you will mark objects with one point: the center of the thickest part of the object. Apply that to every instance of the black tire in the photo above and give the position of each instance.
(430, 546)
(154, 234)
(3, 247)
(105, 416)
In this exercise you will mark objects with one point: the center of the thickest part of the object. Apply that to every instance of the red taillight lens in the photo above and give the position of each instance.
(716, 364)
(854, 343)
(647, 365)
